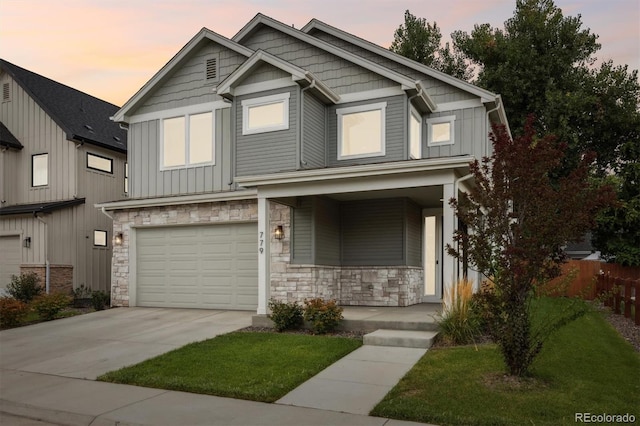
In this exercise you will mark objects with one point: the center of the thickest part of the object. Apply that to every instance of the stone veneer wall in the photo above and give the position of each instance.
(349, 285)
(60, 276)
(202, 213)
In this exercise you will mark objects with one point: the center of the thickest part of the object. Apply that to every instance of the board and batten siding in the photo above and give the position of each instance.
(327, 229)
(27, 226)
(39, 134)
(395, 132)
(413, 215)
(147, 180)
(438, 90)
(339, 74)
(302, 235)
(313, 144)
(188, 85)
(268, 152)
(471, 134)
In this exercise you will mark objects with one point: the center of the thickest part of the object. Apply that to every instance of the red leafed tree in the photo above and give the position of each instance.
(519, 215)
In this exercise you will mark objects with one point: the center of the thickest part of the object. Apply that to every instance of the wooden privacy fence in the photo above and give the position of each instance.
(619, 294)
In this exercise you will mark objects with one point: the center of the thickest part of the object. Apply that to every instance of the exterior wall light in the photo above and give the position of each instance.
(26, 242)
(118, 239)
(279, 232)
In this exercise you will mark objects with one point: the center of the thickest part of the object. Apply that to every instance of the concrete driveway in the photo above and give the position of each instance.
(89, 345)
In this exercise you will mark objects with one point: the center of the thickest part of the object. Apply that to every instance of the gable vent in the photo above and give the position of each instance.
(6, 92)
(212, 68)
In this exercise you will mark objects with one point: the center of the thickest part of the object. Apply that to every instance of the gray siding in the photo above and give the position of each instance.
(327, 231)
(265, 72)
(373, 232)
(27, 226)
(147, 180)
(413, 215)
(439, 91)
(302, 231)
(339, 74)
(471, 135)
(395, 137)
(187, 85)
(314, 152)
(269, 152)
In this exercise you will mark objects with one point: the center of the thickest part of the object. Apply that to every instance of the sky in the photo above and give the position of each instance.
(111, 48)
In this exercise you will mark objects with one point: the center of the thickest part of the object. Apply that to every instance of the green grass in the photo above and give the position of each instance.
(584, 367)
(254, 366)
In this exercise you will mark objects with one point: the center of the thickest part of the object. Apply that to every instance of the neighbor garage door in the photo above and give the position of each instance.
(10, 259)
(209, 266)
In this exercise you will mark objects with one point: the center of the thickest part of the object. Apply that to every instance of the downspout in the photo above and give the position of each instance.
(47, 274)
(486, 144)
(233, 141)
(104, 212)
(301, 129)
(456, 185)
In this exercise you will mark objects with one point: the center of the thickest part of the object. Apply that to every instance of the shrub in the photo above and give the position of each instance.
(285, 315)
(12, 311)
(49, 305)
(100, 299)
(25, 287)
(459, 323)
(323, 316)
(80, 296)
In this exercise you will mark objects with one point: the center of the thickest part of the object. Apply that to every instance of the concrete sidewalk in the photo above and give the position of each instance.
(69, 401)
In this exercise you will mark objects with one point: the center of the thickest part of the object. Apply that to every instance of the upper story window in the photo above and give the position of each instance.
(265, 114)
(361, 131)
(187, 140)
(415, 134)
(40, 170)
(441, 130)
(98, 162)
(126, 178)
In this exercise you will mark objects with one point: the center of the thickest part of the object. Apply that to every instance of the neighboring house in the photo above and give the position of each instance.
(59, 155)
(293, 164)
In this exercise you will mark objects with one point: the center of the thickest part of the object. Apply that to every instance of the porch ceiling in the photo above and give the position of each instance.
(428, 196)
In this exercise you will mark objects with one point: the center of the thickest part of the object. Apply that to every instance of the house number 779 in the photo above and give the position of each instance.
(261, 240)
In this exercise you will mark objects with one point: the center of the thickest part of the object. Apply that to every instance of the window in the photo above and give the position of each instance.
(441, 130)
(40, 170)
(266, 114)
(361, 131)
(100, 238)
(97, 162)
(187, 140)
(415, 134)
(126, 178)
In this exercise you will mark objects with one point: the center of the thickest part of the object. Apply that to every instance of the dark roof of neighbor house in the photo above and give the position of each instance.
(40, 207)
(83, 117)
(7, 138)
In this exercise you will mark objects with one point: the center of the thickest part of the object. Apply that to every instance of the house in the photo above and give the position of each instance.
(290, 164)
(59, 155)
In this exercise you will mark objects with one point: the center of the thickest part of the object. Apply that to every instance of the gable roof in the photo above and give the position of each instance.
(7, 139)
(404, 81)
(306, 78)
(203, 35)
(83, 117)
(486, 95)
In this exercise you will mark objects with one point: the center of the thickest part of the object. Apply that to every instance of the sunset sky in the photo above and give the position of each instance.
(110, 48)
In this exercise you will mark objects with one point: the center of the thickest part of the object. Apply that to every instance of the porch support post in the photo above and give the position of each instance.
(264, 256)
(449, 270)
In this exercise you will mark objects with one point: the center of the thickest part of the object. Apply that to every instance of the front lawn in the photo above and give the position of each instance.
(245, 365)
(585, 367)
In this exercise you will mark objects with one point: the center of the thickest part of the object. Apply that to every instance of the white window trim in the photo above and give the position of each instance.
(33, 156)
(265, 100)
(415, 113)
(175, 112)
(438, 120)
(187, 164)
(382, 106)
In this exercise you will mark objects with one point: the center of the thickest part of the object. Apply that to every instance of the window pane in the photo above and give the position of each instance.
(126, 178)
(40, 169)
(100, 238)
(415, 136)
(441, 132)
(266, 115)
(174, 142)
(201, 138)
(100, 163)
(361, 133)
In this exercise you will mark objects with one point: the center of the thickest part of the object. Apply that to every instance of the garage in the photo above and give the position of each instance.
(10, 259)
(198, 266)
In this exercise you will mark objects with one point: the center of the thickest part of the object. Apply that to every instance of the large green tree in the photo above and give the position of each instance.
(419, 40)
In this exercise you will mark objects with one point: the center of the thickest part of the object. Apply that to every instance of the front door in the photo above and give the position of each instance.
(432, 255)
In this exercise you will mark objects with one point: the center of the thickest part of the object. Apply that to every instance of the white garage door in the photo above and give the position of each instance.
(208, 267)
(10, 259)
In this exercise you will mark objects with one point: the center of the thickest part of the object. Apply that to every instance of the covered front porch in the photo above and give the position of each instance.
(372, 235)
